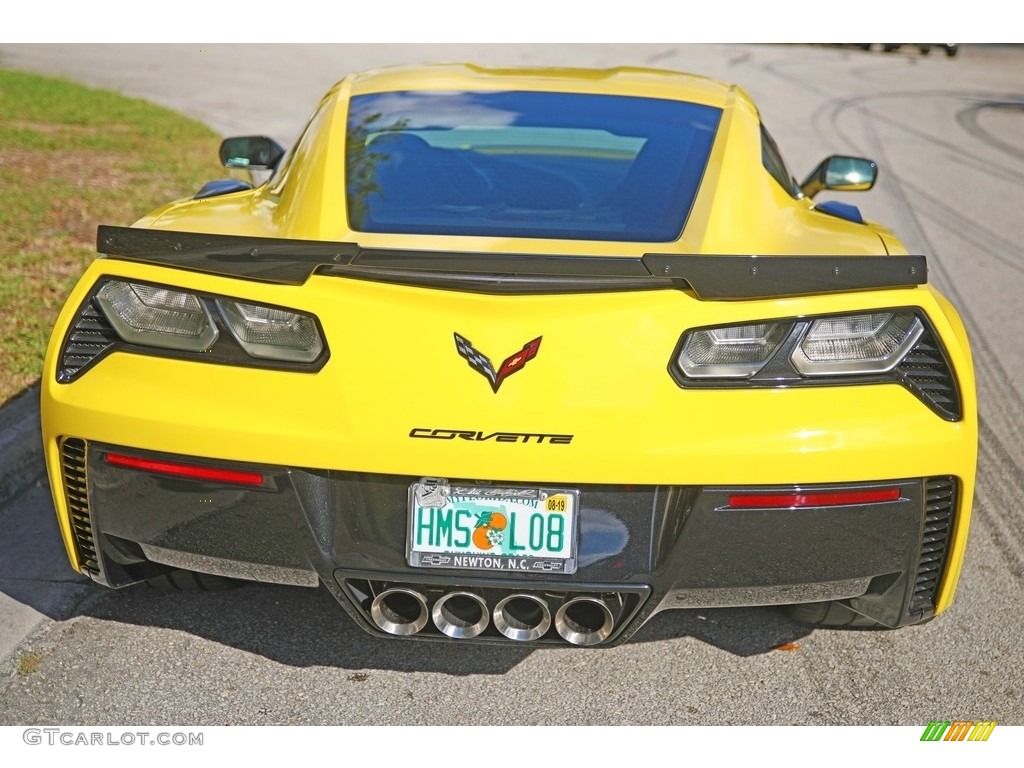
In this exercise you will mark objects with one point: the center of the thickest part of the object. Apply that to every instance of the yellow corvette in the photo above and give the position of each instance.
(519, 356)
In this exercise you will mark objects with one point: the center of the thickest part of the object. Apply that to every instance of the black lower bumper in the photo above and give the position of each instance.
(641, 549)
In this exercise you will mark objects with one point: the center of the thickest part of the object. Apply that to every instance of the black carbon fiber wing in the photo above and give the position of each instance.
(710, 277)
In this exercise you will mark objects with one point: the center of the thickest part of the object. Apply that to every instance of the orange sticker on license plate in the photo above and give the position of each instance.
(492, 528)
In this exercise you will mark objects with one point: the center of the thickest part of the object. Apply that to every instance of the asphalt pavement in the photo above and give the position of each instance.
(34, 584)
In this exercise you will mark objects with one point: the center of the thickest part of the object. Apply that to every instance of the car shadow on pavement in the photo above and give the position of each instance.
(306, 627)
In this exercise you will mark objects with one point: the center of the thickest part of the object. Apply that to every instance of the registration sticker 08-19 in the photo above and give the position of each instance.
(491, 528)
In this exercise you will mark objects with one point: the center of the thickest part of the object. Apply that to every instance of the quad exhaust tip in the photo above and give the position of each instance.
(522, 617)
(584, 621)
(461, 615)
(399, 611)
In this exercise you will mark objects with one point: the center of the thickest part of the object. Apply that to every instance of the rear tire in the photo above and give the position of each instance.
(193, 581)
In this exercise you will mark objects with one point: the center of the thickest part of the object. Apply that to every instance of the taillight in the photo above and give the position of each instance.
(856, 344)
(155, 316)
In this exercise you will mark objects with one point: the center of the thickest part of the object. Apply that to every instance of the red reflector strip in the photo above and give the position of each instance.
(188, 471)
(828, 499)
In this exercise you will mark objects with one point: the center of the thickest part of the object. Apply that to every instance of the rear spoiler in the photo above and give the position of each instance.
(711, 277)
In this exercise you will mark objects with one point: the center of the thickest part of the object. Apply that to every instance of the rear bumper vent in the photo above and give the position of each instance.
(73, 456)
(940, 504)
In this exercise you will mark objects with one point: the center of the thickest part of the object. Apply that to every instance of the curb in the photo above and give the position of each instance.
(21, 445)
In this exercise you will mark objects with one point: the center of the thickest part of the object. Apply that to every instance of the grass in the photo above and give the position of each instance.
(72, 158)
(28, 662)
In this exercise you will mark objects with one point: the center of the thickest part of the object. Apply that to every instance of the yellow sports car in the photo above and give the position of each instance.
(519, 356)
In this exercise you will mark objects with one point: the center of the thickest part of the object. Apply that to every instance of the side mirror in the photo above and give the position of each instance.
(253, 153)
(842, 174)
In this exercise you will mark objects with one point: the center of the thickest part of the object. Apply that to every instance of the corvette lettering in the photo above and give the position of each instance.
(483, 437)
(482, 364)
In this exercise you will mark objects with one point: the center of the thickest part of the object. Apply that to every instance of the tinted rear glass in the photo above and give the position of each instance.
(525, 164)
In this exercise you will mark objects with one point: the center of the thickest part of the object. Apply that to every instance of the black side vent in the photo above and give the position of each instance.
(940, 503)
(926, 372)
(73, 454)
(90, 338)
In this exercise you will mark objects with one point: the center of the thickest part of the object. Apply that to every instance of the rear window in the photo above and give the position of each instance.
(525, 164)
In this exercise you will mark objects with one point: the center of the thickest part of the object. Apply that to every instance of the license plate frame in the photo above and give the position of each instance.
(523, 527)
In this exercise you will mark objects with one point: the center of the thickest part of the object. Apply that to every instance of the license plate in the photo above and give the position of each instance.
(489, 528)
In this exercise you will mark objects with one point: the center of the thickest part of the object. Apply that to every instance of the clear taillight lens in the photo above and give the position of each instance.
(159, 317)
(735, 352)
(856, 344)
(273, 334)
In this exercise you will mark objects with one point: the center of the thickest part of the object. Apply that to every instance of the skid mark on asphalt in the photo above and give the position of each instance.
(829, 118)
(991, 243)
(997, 503)
(968, 118)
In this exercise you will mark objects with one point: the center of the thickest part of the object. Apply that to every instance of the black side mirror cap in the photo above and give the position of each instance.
(253, 153)
(841, 174)
(221, 187)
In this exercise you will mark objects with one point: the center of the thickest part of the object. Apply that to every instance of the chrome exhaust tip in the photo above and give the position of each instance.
(461, 614)
(522, 617)
(584, 621)
(399, 611)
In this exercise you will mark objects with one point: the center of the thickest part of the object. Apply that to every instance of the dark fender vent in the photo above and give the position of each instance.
(926, 372)
(73, 454)
(940, 503)
(90, 338)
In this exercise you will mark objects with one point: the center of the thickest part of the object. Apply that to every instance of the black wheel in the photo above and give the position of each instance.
(192, 581)
(951, 49)
(924, 49)
(828, 614)
(890, 47)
